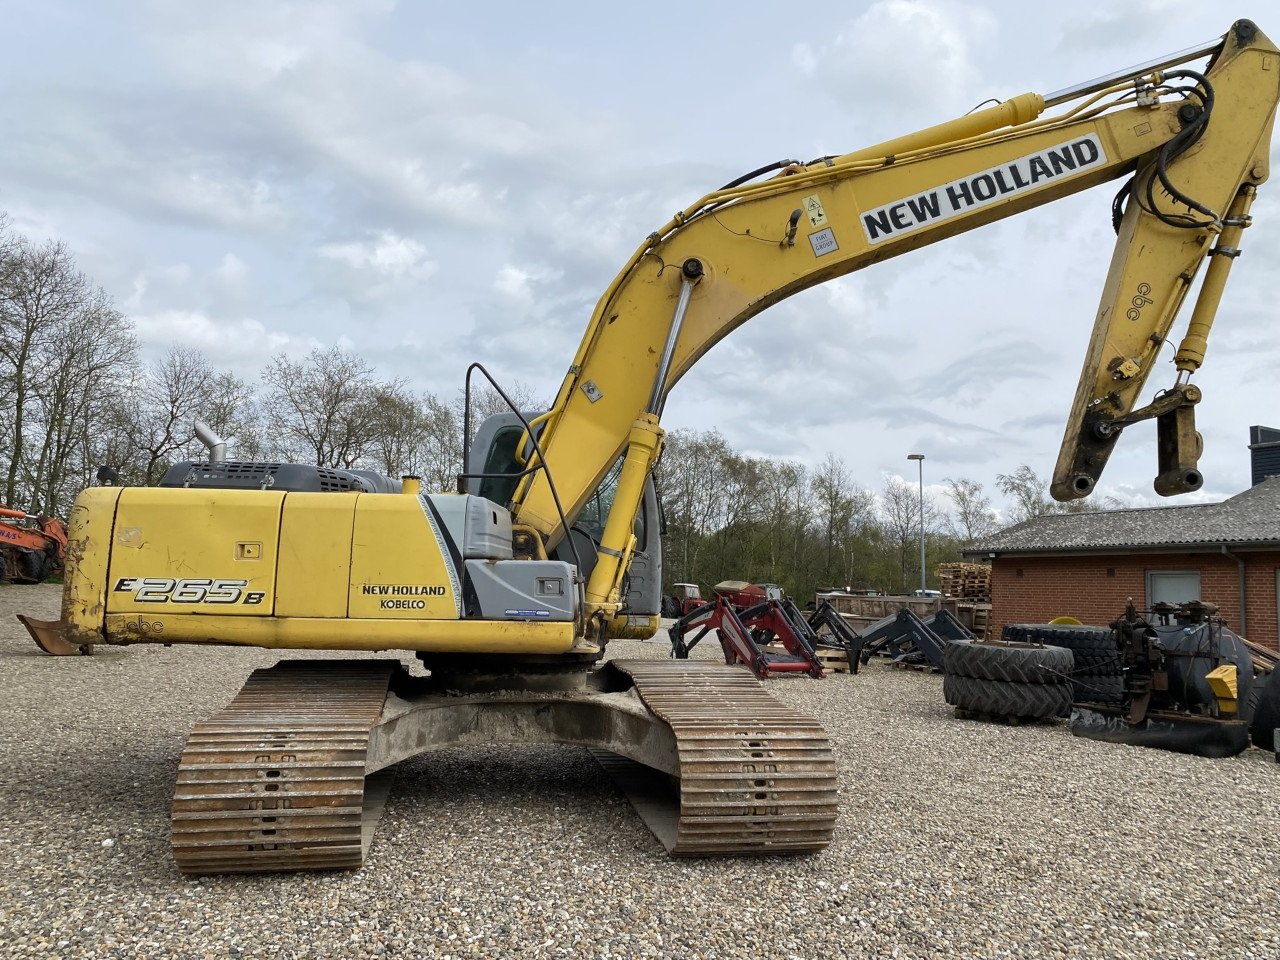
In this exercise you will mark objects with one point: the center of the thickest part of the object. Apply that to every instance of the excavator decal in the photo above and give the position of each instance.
(1058, 162)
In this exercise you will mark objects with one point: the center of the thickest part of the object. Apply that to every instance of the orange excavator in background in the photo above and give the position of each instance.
(32, 548)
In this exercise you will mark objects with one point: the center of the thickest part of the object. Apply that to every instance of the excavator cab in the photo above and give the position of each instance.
(495, 464)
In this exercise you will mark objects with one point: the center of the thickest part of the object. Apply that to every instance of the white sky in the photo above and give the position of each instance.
(433, 183)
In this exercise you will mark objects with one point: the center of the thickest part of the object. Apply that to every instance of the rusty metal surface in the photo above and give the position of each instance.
(276, 780)
(756, 776)
(48, 637)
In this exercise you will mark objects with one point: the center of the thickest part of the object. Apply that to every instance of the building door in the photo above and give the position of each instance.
(1173, 586)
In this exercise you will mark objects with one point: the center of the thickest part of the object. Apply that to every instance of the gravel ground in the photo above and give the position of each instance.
(956, 839)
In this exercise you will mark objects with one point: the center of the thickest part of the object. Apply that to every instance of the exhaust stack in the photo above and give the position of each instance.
(216, 445)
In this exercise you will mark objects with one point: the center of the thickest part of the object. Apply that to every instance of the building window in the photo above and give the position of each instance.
(1172, 586)
(1111, 571)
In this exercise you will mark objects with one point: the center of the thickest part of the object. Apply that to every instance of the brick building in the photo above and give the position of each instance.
(1087, 565)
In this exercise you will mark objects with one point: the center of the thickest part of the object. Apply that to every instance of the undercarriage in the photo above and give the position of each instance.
(293, 773)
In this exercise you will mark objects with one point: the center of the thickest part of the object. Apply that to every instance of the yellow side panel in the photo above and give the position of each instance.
(400, 563)
(315, 555)
(194, 551)
(298, 633)
(88, 547)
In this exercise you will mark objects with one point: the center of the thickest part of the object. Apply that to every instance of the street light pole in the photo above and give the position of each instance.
(919, 459)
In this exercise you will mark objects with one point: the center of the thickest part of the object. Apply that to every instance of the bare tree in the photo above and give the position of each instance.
(841, 508)
(86, 372)
(690, 475)
(65, 352)
(232, 409)
(900, 509)
(397, 426)
(439, 459)
(1029, 493)
(173, 393)
(320, 406)
(1031, 496)
(974, 517)
(41, 293)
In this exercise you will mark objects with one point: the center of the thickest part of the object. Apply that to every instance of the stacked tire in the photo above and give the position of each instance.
(1016, 680)
(1098, 676)
(1262, 711)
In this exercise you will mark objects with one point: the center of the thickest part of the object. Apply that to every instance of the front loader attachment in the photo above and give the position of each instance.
(743, 635)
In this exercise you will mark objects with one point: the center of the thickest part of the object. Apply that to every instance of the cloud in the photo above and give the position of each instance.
(520, 284)
(244, 344)
(386, 255)
(232, 270)
(902, 53)
(1115, 25)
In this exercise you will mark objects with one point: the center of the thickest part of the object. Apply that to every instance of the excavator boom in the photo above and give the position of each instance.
(1195, 147)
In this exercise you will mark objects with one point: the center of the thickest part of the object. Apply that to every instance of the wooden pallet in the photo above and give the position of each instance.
(917, 667)
(1265, 659)
(975, 616)
(965, 581)
(833, 661)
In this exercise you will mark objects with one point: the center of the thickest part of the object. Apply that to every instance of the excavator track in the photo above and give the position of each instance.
(756, 777)
(276, 780)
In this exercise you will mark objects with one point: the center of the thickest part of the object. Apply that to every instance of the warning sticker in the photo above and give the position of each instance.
(813, 210)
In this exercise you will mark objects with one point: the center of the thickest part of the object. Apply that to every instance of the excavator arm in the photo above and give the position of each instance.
(1196, 148)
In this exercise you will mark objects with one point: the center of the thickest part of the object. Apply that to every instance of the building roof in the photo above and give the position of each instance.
(1251, 518)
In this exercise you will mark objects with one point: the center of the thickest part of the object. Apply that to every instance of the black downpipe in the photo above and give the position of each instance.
(1244, 616)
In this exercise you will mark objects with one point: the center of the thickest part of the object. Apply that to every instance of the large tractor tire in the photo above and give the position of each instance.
(1265, 712)
(1094, 648)
(33, 566)
(1016, 663)
(1107, 691)
(1003, 699)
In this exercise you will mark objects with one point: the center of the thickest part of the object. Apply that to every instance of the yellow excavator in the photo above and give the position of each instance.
(509, 589)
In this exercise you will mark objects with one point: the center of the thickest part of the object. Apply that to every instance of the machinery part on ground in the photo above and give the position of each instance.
(1179, 732)
(49, 638)
(1264, 717)
(908, 639)
(743, 635)
(1000, 698)
(1185, 685)
(1012, 663)
(827, 628)
(32, 548)
(286, 776)
(1108, 691)
(1098, 672)
(1094, 648)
